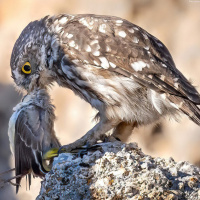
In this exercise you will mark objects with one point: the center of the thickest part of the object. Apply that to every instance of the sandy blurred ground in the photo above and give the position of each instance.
(175, 22)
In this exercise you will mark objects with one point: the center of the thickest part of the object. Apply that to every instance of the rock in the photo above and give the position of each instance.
(119, 171)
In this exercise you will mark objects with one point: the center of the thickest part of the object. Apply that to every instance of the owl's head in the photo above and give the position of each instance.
(31, 57)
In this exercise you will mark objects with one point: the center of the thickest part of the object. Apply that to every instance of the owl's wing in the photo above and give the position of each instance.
(114, 44)
(29, 135)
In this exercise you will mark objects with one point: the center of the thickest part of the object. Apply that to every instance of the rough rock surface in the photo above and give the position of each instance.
(119, 171)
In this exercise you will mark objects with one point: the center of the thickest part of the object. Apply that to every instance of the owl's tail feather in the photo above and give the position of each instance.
(187, 107)
(192, 111)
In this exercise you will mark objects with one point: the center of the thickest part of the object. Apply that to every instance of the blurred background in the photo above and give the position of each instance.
(175, 22)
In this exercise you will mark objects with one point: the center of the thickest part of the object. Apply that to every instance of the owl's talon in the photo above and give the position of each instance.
(64, 149)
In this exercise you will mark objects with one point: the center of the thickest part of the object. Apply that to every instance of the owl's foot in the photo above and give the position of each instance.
(80, 151)
(76, 148)
(92, 136)
(70, 148)
(109, 138)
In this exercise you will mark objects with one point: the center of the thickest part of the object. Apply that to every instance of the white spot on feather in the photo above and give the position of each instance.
(58, 28)
(135, 39)
(163, 96)
(63, 20)
(122, 34)
(174, 105)
(88, 48)
(76, 46)
(175, 79)
(138, 66)
(94, 42)
(104, 62)
(70, 36)
(150, 76)
(119, 22)
(86, 23)
(147, 47)
(102, 28)
(131, 30)
(108, 49)
(162, 77)
(112, 65)
(76, 61)
(96, 63)
(96, 53)
(72, 43)
(145, 36)
(85, 61)
(176, 85)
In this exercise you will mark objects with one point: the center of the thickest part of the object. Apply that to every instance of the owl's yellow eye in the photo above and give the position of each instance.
(26, 69)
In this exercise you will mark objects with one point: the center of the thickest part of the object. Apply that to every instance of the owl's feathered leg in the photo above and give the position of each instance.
(123, 130)
(93, 135)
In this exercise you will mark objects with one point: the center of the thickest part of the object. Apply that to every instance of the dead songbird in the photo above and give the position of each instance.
(31, 134)
(120, 69)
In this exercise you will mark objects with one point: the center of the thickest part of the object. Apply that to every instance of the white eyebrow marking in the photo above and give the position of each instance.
(102, 28)
(122, 34)
(139, 65)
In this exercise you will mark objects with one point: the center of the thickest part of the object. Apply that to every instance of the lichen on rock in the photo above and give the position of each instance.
(119, 171)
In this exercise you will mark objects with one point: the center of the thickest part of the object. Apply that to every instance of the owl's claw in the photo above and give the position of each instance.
(79, 150)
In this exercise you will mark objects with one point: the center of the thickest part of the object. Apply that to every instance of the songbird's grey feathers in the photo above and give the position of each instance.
(34, 133)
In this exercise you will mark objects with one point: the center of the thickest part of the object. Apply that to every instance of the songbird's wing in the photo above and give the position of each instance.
(34, 134)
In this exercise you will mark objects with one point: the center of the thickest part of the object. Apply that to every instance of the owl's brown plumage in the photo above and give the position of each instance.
(124, 72)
